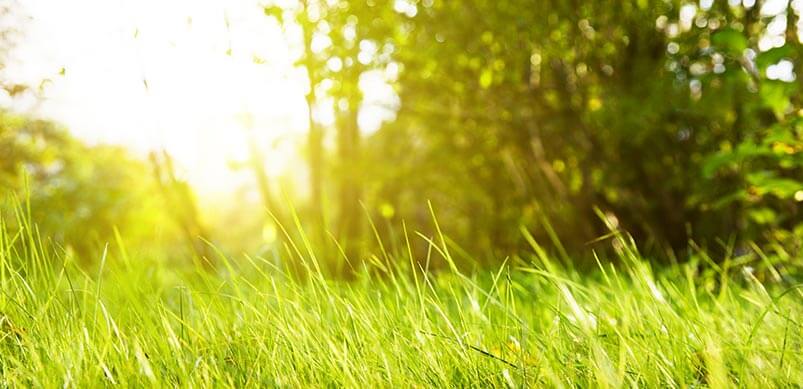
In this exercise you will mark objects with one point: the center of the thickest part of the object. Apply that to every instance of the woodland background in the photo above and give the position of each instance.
(678, 122)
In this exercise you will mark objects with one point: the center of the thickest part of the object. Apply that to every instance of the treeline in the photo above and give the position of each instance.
(676, 121)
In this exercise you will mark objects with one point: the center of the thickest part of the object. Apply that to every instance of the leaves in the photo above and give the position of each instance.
(730, 41)
(743, 152)
(15, 89)
(775, 95)
(773, 55)
(275, 12)
(766, 182)
(486, 78)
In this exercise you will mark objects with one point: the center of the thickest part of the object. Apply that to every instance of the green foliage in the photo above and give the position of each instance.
(78, 194)
(512, 113)
(729, 41)
(679, 121)
(523, 123)
(137, 322)
(766, 176)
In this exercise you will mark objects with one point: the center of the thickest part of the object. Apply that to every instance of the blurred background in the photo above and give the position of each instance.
(174, 124)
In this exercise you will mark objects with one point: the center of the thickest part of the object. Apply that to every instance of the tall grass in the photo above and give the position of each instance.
(137, 321)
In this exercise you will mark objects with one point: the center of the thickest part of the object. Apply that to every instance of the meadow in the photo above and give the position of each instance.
(401, 193)
(535, 321)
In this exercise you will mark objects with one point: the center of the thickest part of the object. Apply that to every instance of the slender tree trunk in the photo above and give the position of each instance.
(348, 150)
(315, 151)
(315, 136)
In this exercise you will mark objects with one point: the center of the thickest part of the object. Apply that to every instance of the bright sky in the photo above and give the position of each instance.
(201, 98)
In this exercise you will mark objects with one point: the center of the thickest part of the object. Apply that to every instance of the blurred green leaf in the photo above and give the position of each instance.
(730, 41)
(772, 56)
(767, 183)
(763, 215)
(775, 96)
(486, 78)
(274, 11)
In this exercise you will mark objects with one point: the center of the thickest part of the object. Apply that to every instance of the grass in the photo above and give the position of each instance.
(136, 321)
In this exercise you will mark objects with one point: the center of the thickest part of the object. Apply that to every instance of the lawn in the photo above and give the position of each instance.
(140, 321)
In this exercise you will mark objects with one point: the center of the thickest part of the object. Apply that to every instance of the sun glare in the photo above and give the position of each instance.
(178, 75)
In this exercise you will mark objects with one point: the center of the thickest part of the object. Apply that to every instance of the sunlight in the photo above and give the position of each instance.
(401, 193)
(177, 75)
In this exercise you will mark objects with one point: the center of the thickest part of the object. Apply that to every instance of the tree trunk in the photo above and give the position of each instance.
(315, 136)
(315, 150)
(350, 188)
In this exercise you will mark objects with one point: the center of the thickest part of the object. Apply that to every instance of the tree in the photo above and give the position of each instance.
(78, 195)
(513, 113)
